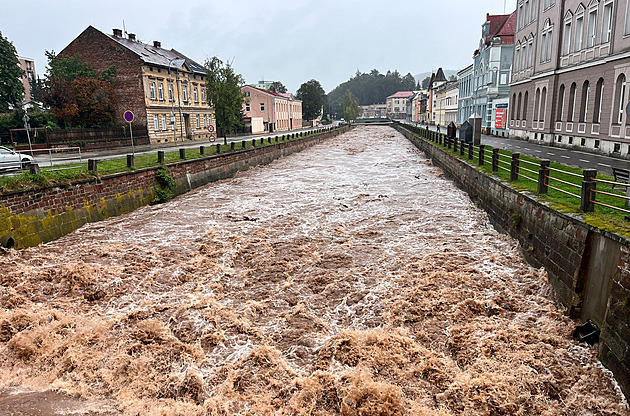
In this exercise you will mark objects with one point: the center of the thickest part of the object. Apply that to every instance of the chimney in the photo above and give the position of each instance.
(118, 33)
(157, 43)
(132, 36)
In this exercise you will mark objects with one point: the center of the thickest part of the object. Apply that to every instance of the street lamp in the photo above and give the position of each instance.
(176, 63)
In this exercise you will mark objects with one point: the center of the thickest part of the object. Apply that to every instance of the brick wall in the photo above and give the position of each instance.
(582, 262)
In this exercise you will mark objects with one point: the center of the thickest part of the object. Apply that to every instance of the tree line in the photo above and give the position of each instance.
(371, 88)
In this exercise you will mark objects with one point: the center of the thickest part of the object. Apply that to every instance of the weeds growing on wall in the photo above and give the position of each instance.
(167, 186)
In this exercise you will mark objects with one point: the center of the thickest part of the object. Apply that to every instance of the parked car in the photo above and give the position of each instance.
(10, 160)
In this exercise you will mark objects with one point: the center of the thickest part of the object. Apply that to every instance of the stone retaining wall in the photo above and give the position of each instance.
(588, 268)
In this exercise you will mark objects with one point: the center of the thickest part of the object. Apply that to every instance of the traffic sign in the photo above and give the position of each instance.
(212, 138)
(128, 116)
(210, 128)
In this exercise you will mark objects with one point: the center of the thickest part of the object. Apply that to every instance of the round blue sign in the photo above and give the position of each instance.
(128, 116)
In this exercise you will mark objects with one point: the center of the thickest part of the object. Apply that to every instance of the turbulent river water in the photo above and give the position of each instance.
(351, 278)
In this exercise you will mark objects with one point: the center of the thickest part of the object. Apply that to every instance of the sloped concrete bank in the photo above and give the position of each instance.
(28, 218)
(588, 268)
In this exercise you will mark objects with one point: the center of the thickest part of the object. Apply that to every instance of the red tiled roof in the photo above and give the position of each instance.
(402, 94)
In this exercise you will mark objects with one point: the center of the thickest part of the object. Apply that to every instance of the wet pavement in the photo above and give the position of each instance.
(351, 278)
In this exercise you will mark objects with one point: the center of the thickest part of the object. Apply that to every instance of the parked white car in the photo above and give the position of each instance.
(10, 160)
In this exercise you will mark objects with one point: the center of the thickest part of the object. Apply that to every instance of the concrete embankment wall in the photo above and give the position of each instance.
(28, 218)
(588, 268)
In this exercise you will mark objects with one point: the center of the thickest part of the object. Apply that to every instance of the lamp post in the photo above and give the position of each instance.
(176, 63)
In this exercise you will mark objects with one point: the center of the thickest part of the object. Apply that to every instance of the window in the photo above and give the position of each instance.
(566, 45)
(163, 121)
(620, 96)
(247, 108)
(537, 105)
(196, 94)
(525, 106)
(513, 105)
(543, 105)
(185, 93)
(205, 120)
(517, 58)
(572, 102)
(518, 109)
(546, 42)
(152, 89)
(599, 95)
(198, 121)
(534, 9)
(607, 23)
(592, 28)
(161, 91)
(156, 122)
(171, 96)
(586, 90)
(560, 114)
(579, 32)
(262, 107)
(203, 95)
(627, 28)
(527, 18)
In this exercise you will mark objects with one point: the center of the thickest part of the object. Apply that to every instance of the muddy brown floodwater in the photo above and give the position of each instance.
(349, 279)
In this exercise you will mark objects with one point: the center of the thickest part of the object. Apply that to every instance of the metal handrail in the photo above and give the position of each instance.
(577, 175)
(565, 192)
(562, 181)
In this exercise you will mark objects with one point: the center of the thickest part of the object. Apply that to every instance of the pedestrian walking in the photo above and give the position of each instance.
(438, 128)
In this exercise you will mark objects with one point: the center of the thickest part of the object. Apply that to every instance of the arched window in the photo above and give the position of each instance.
(543, 105)
(560, 110)
(571, 116)
(586, 90)
(530, 51)
(517, 57)
(518, 110)
(513, 105)
(537, 105)
(525, 106)
(599, 96)
(620, 96)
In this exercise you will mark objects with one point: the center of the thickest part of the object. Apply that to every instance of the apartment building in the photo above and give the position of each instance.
(277, 111)
(569, 78)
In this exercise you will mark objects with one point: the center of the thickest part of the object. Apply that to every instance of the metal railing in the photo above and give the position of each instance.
(57, 158)
(584, 188)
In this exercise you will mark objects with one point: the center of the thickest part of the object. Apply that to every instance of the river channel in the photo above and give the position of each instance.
(349, 279)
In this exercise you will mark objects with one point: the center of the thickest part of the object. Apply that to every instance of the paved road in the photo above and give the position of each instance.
(576, 158)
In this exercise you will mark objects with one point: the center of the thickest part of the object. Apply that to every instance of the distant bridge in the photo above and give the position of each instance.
(373, 121)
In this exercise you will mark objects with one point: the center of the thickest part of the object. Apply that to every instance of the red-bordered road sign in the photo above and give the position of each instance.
(128, 116)
(212, 138)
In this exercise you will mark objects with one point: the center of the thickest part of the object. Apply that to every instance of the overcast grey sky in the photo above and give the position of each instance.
(287, 41)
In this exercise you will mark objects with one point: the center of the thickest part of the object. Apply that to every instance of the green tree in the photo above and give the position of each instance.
(313, 99)
(278, 86)
(350, 106)
(425, 83)
(224, 92)
(77, 94)
(11, 87)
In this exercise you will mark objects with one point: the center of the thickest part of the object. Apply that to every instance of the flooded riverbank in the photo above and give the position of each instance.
(348, 279)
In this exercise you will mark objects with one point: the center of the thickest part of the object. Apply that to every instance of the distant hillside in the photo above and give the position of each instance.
(447, 74)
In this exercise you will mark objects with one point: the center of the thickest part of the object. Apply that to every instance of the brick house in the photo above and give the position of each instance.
(277, 111)
(569, 79)
(164, 89)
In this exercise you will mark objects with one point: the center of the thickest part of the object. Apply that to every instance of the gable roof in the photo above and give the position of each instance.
(285, 95)
(151, 54)
(502, 26)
